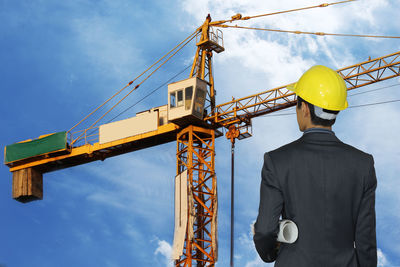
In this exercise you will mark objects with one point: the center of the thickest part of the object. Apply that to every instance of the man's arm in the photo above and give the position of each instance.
(267, 224)
(365, 238)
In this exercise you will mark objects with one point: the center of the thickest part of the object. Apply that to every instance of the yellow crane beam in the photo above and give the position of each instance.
(92, 152)
(243, 109)
(233, 112)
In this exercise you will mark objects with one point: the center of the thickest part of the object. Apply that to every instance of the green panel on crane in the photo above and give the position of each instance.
(51, 143)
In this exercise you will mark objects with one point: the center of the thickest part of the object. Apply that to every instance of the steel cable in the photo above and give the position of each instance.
(312, 33)
(131, 82)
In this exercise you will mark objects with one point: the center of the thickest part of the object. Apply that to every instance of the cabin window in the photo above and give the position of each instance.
(188, 97)
(172, 100)
(179, 98)
(199, 101)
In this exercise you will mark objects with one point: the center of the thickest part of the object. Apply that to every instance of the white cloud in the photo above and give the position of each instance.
(382, 261)
(165, 249)
(248, 254)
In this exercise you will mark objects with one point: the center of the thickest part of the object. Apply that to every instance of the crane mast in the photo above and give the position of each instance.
(196, 155)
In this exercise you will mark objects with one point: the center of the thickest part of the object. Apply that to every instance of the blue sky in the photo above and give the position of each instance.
(60, 59)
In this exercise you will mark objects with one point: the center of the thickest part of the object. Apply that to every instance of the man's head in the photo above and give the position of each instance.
(307, 117)
(321, 94)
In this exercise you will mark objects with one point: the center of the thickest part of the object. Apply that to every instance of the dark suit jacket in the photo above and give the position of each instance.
(328, 189)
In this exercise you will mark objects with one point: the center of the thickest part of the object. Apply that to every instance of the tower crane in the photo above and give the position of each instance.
(194, 120)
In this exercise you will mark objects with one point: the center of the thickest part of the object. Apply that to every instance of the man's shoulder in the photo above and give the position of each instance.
(299, 146)
(284, 151)
(287, 147)
(356, 151)
(357, 157)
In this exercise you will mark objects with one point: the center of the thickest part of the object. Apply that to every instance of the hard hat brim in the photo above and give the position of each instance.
(292, 87)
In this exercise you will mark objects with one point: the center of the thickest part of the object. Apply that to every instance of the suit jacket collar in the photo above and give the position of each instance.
(320, 137)
(317, 129)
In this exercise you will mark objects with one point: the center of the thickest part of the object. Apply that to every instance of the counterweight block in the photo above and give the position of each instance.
(27, 185)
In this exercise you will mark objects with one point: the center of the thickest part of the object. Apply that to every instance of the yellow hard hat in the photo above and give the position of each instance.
(322, 87)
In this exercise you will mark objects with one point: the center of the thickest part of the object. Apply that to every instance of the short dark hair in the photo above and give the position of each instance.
(314, 119)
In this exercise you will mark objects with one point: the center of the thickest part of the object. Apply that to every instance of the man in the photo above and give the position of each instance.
(324, 186)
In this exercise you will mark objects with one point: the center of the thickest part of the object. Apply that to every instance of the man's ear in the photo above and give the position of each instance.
(305, 110)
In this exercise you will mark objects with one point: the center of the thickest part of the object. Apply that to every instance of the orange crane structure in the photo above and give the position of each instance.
(193, 119)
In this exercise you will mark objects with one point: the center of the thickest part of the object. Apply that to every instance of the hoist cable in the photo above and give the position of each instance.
(280, 12)
(159, 87)
(313, 33)
(355, 106)
(302, 8)
(374, 104)
(131, 82)
(377, 89)
(140, 100)
(137, 86)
